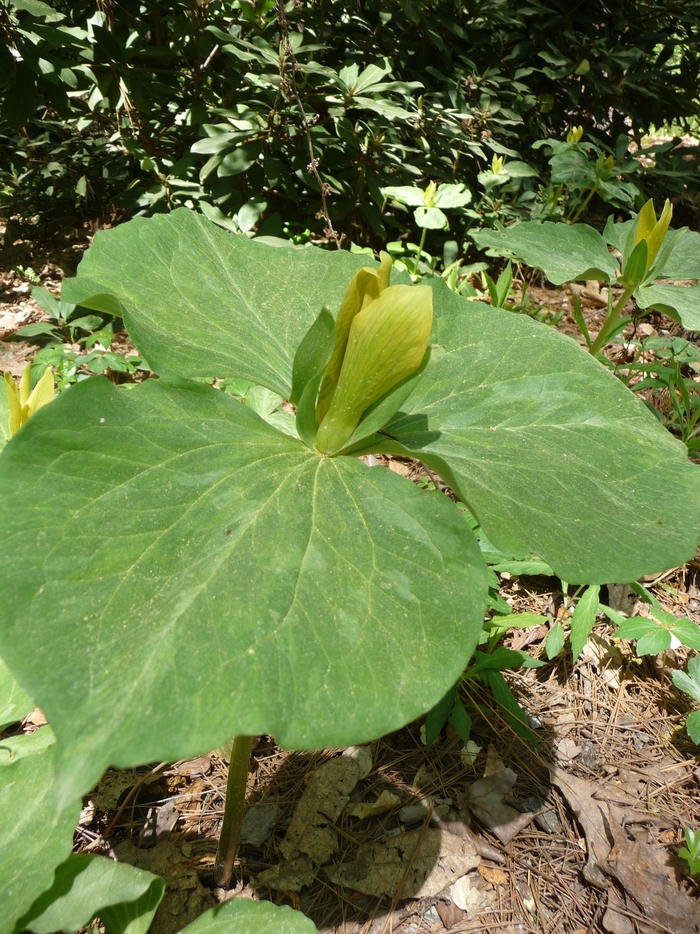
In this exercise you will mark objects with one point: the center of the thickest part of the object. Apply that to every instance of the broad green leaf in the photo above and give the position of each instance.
(572, 167)
(554, 642)
(637, 627)
(683, 261)
(33, 840)
(511, 710)
(187, 572)
(683, 300)
(382, 106)
(439, 716)
(199, 301)
(550, 451)
(461, 721)
(532, 566)
(432, 218)
(405, 194)
(126, 898)
(25, 744)
(14, 703)
(563, 252)
(583, 619)
(687, 632)
(452, 196)
(692, 725)
(39, 9)
(655, 642)
(313, 353)
(243, 916)
(369, 77)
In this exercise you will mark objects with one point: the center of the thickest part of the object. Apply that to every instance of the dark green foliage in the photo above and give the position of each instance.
(142, 106)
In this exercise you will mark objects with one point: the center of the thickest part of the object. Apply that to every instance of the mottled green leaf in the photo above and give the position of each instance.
(126, 898)
(551, 452)
(187, 572)
(563, 252)
(33, 839)
(199, 301)
(683, 300)
(242, 916)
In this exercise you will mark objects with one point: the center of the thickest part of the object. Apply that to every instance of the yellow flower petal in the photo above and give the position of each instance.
(646, 219)
(656, 237)
(25, 384)
(42, 393)
(14, 404)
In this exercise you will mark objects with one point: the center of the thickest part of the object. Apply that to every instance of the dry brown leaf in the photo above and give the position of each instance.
(36, 718)
(416, 864)
(258, 822)
(450, 914)
(648, 885)
(311, 839)
(199, 766)
(467, 895)
(493, 875)
(494, 763)
(567, 749)
(639, 869)
(593, 816)
(185, 897)
(485, 801)
(614, 920)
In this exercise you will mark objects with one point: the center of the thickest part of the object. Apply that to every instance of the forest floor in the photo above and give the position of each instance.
(588, 824)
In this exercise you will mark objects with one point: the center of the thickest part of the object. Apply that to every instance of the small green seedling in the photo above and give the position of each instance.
(672, 373)
(67, 323)
(430, 205)
(691, 851)
(659, 632)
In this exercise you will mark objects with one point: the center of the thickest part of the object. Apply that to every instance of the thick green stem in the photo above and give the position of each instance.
(611, 321)
(239, 764)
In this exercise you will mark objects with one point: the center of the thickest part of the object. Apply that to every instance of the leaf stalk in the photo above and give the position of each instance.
(611, 321)
(234, 808)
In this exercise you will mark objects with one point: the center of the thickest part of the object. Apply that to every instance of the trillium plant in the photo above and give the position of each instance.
(647, 262)
(178, 570)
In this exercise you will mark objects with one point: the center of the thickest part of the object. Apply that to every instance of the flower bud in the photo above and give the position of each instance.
(574, 135)
(387, 342)
(651, 230)
(24, 403)
(365, 286)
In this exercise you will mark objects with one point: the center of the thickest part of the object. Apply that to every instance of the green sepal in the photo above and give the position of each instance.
(313, 353)
(634, 266)
(306, 410)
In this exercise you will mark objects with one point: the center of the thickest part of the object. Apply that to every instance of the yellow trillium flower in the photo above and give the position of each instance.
(497, 163)
(651, 229)
(574, 135)
(365, 286)
(386, 343)
(25, 402)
